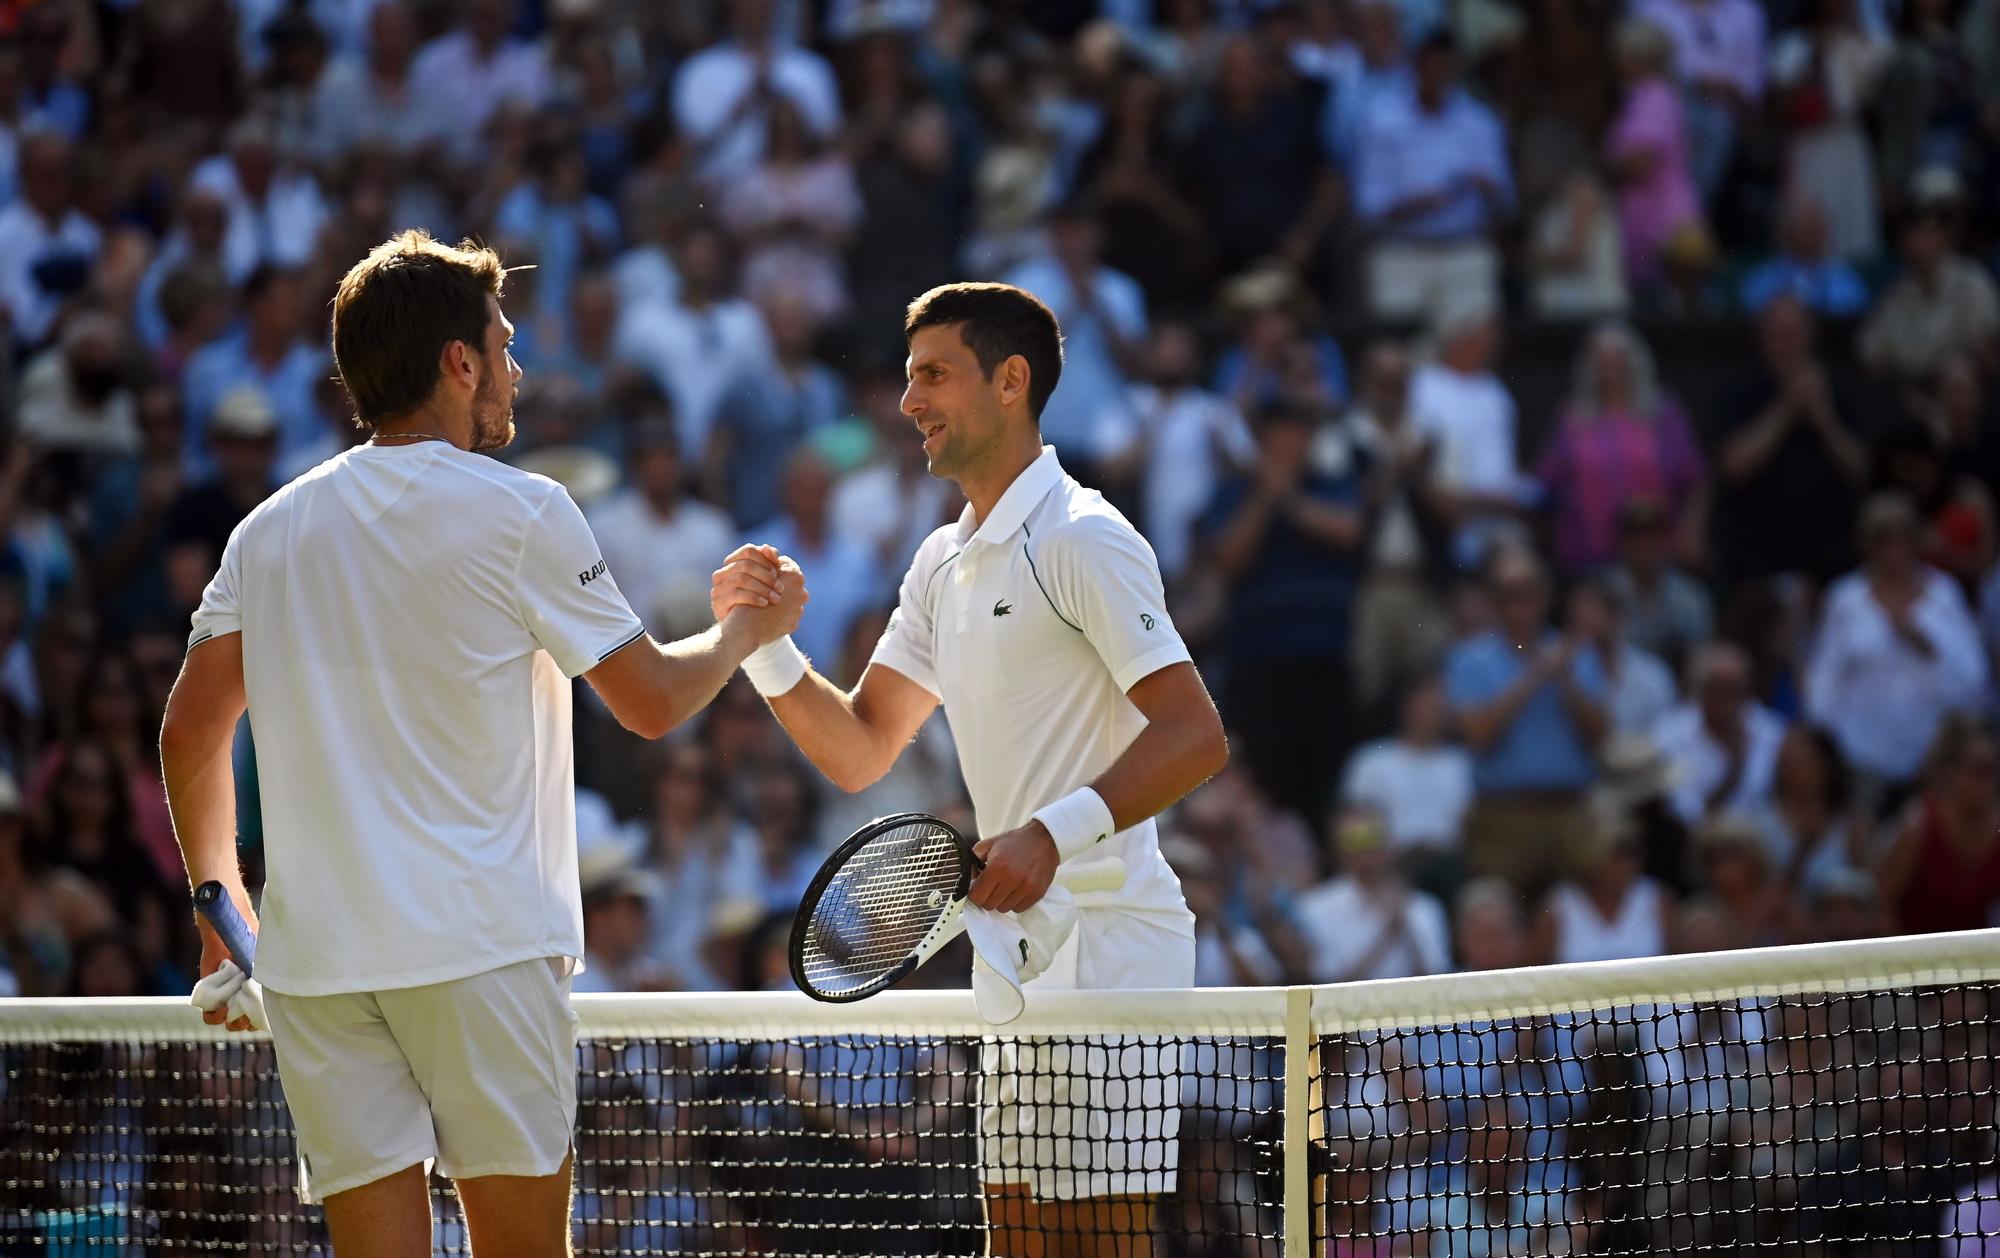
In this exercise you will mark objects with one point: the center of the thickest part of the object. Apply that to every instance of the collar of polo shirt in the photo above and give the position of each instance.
(1008, 514)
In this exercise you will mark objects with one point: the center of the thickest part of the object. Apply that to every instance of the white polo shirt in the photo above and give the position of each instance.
(1029, 629)
(411, 617)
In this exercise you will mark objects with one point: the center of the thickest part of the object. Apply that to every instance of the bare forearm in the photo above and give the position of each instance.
(694, 670)
(834, 734)
(1745, 454)
(1485, 725)
(1244, 534)
(201, 795)
(1164, 763)
(1589, 716)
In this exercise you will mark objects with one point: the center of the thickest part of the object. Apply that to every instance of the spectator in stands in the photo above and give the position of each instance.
(87, 827)
(1897, 650)
(552, 210)
(1825, 71)
(1959, 408)
(1619, 438)
(1153, 231)
(769, 414)
(1379, 72)
(1719, 61)
(106, 713)
(847, 577)
(268, 352)
(913, 217)
(1466, 411)
(243, 442)
(1400, 623)
(375, 98)
(1368, 922)
(74, 397)
(698, 345)
(1422, 785)
(661, 544)
(1285, 538)
(1663, 609)
(1253, 164)
(1431, 181)
(1648, 152)
(722, 95)
(1943, 303)
(1955, 511)
(1530, 704)
(1611, 911)
(1512, 1202)
(618, 901)
(1488, 931)
(275, 212)
(891, 502)
(196, 240)
(476, 70)
(705, 860)
(1639, 687)
(784, 814)
(792, 214)
(1811, 824)
(1805, 267)
(1227, 953)
(1172, 443)
(1723, 745)
(1927, 100)
(1789, 460)
(47, 244)
(36, 906)
(1736, 871)
(1576, 258)
(1275, 344)
(1942, 869)
(1103, 316)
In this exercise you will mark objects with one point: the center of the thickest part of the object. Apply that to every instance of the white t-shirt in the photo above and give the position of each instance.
(1424, 791)
(1471, 417)
(1700, 762)
(1341, 924)
(1029, 629)
(411, 617)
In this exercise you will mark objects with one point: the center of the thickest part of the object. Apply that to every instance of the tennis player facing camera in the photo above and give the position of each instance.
(402, 623)
(1039, 622)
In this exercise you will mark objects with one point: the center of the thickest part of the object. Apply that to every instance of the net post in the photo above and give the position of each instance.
(1298, 1115)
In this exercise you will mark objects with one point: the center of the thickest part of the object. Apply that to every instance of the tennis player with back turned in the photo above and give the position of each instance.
(1038, 620)
(402, 623)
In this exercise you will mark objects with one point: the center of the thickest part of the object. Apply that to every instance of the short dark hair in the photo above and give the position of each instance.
(997, 321)
(395, 312)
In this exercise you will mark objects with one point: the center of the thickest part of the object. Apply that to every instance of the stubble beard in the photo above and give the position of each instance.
(492, 415)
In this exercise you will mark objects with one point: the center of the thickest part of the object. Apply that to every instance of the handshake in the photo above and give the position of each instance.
(759, 590)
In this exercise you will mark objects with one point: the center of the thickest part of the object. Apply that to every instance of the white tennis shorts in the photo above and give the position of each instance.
(1097, 1116)
(476, 1076)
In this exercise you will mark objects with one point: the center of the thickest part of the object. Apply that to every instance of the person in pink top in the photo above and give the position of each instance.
(1647, 151)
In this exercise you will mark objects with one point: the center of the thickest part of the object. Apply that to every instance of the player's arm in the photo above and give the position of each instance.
(1182, 746)
(852, 738)
(196, 738)
(651, 687)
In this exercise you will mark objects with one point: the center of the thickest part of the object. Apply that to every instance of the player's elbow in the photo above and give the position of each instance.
(649, 720)
(855, 777)
(1211, 747)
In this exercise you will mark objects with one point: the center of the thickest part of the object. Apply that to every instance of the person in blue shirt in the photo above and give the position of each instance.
(1806, 267)
(1530, 703)
(1287, 539)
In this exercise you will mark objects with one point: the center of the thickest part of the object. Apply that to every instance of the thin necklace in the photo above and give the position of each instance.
(379, 438)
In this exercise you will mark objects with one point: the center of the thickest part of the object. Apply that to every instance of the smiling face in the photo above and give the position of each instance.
(956, 406)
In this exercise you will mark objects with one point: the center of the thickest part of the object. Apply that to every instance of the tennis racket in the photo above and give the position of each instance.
(213, 903)
(888, 899)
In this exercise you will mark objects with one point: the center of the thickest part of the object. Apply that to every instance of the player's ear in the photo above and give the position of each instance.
(458, 363)
(1012, 379)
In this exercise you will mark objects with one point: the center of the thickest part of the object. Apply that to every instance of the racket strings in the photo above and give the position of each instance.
(879, 906)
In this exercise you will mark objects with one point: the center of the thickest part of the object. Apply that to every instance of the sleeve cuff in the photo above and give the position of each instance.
(1136, 671)
(888, 656)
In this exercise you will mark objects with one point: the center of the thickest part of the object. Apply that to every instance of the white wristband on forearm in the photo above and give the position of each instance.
(1078, 821)
(776, 667)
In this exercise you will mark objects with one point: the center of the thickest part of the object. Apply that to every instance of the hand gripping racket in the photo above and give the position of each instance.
(888, 899)
(213, 903)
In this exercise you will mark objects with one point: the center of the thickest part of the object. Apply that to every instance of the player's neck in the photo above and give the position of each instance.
(425, 422)
(985, 488)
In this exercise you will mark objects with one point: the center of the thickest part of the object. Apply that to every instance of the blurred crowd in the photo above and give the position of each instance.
(1567, 430)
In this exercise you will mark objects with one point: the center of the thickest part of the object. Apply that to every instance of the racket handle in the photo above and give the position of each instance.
(213, 903)
(1094, 876)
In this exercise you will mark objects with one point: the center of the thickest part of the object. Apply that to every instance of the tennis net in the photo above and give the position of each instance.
(1832, 1099)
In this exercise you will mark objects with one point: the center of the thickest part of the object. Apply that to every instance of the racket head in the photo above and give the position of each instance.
(877, 897)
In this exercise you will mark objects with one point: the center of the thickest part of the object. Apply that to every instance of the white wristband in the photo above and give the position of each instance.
(1078, 821)
(776, 667)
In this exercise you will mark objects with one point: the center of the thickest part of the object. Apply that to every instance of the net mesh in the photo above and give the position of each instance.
(1770, 1115)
